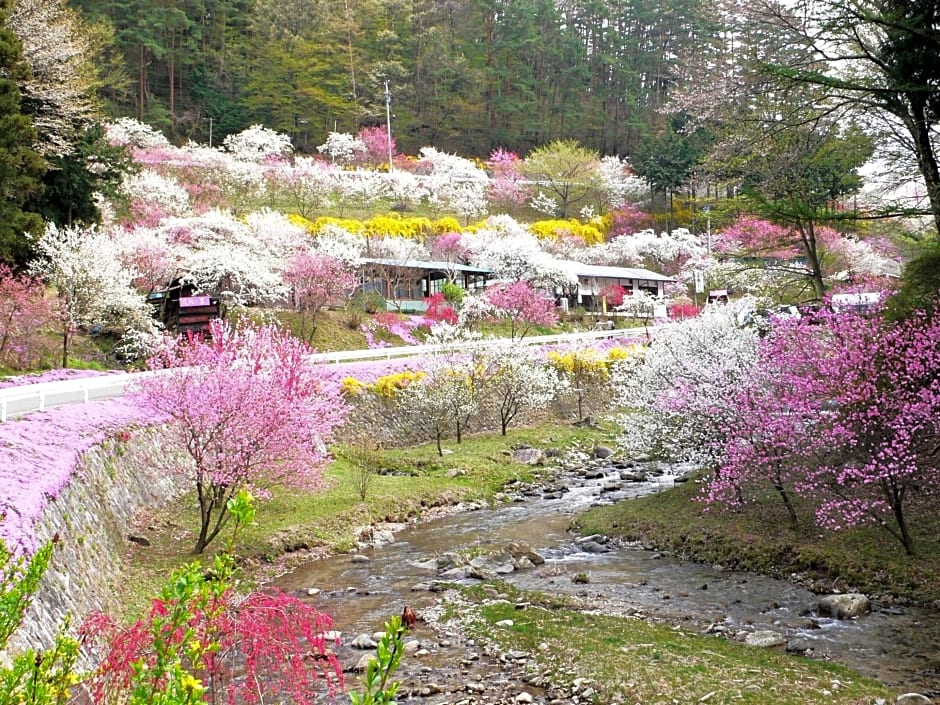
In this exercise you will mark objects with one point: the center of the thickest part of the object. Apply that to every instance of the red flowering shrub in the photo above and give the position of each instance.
(439, 310)
(683, 309)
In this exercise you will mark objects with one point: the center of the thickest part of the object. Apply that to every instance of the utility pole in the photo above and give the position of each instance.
(210, 133)
(708, 229)
(388, 124)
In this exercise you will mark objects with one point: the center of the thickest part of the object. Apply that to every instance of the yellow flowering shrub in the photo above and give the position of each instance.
(590, 233)
(393, 225)
(353, 226)
(390, 385)
(617, 354)
(446, 225)
(582, 365)
(302, 222)
(352, 387)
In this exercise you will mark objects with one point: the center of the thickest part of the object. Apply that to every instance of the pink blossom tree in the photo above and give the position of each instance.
(24, 313)
(378, 148)
(506, 190)
(522, 306)
(317, 281)
(849, 417)
(247, 409)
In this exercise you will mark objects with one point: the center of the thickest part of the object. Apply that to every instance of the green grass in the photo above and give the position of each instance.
(632, 661)
(759, 538)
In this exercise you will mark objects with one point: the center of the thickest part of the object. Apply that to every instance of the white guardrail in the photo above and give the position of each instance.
(39, 396)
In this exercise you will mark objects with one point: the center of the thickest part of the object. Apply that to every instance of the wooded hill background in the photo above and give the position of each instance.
(466, 76)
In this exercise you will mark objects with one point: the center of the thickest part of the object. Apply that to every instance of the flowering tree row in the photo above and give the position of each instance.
(839, 409)
(479, 381)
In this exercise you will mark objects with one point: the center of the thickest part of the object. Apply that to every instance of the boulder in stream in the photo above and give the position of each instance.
(847, 606)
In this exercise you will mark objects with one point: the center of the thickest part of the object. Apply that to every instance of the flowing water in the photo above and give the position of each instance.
(898, 646)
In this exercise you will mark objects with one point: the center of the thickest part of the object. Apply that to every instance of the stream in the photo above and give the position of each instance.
(899, 646)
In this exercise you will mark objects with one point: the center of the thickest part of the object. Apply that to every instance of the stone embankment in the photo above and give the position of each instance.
(91, 516)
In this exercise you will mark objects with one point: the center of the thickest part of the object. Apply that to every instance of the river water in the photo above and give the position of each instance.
(898, 646)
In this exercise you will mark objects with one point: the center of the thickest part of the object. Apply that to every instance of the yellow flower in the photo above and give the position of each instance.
(190, 682)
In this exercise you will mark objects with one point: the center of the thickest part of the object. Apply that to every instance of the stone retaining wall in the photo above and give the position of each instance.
(92, 516)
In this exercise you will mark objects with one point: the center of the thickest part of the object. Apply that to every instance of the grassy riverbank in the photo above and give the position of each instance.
(760, 539)
(609, 659)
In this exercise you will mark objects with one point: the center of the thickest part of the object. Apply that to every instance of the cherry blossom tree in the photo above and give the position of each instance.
(448, 248)
(310, 184)
(245, 409)
(258, 143)
(317, 281)
(92, 284)
(512, 253)
(522, 306)
(680, 390)
(229, 258)
(513, 381)
(505, 190)
(378, 148)
(453, 183)
(342, 148)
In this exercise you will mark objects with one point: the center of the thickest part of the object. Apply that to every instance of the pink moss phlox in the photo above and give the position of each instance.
(40, 453)
(56, 375)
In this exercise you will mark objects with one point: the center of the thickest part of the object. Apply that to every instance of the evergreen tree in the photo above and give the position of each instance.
(21, 167)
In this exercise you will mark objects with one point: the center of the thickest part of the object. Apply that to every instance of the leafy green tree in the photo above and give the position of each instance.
(668, 159)
(567, 171)
(21, 167)
(798, 177)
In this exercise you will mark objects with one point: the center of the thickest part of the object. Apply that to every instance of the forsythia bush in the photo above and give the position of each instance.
(446, 225)
(579, 363)
(391, 385)
(590, 233)
(619, 354)
(353, 226)
(352, 387)
(393, 225)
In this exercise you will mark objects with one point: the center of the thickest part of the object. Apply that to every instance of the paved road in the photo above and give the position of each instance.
(16, 401)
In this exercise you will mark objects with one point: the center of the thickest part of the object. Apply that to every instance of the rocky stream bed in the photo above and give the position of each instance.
(526, 541)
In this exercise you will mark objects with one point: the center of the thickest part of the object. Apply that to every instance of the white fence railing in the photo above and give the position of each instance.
(15, 401)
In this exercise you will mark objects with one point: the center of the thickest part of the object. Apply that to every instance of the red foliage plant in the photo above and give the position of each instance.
(266, 647)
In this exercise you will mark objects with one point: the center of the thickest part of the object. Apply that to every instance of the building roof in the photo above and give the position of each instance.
(595, 270)
(424, 264)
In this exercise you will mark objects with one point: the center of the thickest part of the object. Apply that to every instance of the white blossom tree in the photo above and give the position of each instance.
(514, 381)
(257, 144)
(513, 253)
(342, 148)
(678, 390)
(61, 82)
(91, 282)
(335, 241)
(225, 257)
(129, 132)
